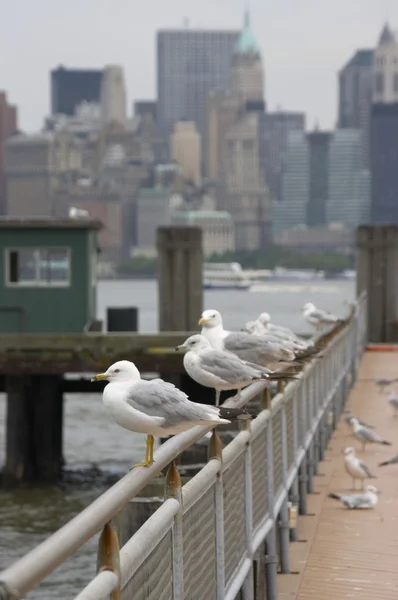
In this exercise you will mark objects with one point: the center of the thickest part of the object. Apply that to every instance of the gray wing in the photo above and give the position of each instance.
(322, 315)
(360, 501)
(158, 398)
(366, 469)
(368, 435)
(254, 349)
(228, 366)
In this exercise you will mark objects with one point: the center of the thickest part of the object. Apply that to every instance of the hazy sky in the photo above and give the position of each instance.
(304, 43)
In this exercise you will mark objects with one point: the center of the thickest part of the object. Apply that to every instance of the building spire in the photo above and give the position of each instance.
(247, 43)
(387, 36)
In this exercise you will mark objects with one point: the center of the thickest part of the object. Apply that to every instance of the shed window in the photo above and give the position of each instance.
(38, 267)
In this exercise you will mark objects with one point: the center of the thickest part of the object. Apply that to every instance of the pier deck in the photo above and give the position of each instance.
(351, 554)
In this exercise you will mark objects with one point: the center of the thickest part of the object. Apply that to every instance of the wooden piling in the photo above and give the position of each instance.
(34, 429)
(180, 287)
(377, 274)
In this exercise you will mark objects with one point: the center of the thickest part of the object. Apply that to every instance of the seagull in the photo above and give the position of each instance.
(221, 370)
(390, 461)
(156, 407)
(78, 213)
(382, 382)
(356, 468)
(349, 416)
(368, 499)
(254, 349)
(393, 400)
(318, 317)
(366, 435)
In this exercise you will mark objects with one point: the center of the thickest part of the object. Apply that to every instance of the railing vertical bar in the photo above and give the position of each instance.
(284, 530)
(174, 490)
(248, 585)
(215, 452)
(271, 558)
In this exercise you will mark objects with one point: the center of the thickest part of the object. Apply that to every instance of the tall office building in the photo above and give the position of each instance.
(276, 128)
(70, 87)
(386, 68)
(384, 130)
(384, 163)
(185, 149)
(191, 64)
(324, 182)
(355, 96)
(113, 96)
(349, 183)
(8, 126)
(247, 71)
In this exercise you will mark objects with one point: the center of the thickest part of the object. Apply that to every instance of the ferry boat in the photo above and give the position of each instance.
(224, 276)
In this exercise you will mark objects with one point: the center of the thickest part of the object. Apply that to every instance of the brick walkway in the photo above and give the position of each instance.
(351, 554)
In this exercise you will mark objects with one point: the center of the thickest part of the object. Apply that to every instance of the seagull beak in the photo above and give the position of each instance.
(202, 321)
(99, 377)
(181, 347)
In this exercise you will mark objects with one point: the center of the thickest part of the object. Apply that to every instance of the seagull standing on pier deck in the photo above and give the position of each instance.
(156, 408)
(356, 468)
(366, 435)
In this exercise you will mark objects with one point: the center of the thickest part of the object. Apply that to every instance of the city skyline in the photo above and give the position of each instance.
(298, 77)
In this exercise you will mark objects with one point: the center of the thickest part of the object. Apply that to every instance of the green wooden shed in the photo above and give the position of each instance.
(48, 274)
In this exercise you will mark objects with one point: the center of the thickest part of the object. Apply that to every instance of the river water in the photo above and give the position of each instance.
(98, 452)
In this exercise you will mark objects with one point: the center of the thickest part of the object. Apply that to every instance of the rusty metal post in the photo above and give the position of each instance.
(281, 386)
(266, 398)
(173, 489)
(108, 558)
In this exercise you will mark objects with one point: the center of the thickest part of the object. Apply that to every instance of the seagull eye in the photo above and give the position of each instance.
(117, 371)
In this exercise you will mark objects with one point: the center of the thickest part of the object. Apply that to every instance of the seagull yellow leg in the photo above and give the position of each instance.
(150, 441)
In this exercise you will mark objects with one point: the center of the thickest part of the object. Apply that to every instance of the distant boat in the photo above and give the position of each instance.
(224, 276)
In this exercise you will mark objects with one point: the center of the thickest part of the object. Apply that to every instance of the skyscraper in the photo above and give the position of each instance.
(349, 183)
(8, 126)
(324, 181)
(384, 130)
(275, 132)
(113, 96)
(247, 71)
(355, 96)
(69, 87)
(384, 163)
(386, 68)
(191, 64)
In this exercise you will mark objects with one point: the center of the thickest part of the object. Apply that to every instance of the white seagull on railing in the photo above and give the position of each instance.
(318, 317)
(156, 408)
(221, 370)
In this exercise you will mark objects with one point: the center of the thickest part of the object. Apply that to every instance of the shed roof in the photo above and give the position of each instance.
(48, 223)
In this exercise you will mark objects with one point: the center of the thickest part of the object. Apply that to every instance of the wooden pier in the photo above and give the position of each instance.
(351, 554)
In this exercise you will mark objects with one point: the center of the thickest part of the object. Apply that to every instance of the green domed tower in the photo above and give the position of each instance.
(247, 72)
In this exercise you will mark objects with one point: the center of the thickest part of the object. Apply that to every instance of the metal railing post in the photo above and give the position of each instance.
(303, 467)
(294, 492)
(215, 452)
(283, 524)
(173, 489)
(271, 558)
(108, 557)
(248, 585)
(310, 421)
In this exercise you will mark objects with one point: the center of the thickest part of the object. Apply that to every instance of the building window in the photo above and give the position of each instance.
(379, 83)
(38, 267)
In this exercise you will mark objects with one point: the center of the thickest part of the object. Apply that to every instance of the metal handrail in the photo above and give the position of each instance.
(31, 569)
